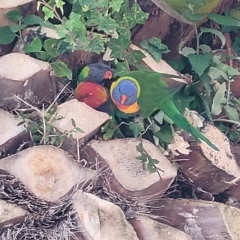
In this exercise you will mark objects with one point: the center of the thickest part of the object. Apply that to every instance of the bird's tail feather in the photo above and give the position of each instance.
(171, 111)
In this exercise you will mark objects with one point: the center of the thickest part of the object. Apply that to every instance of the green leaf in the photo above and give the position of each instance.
(100, 4)
(116, 5)
(216, 32)
(151, 168)
(75, 22)
(96, 45)
(108, 134)
(60, 4)
(216, 73)
(178, 64)
(159, 117)
(106, 24)
(182, 101)
(16, 28)
(155, 47)
(34, 46)
(137, 14)
(185, 51)
(48, 13)
(158, 43)
(6, 35)
(134, 56)
(121, 69)
(136, 128)
(205, 48)
(125, 25)
(61, 70)
(79, 129)
(73, 122)
(231, 113)
(154, 127)
(200, 62)
(118, 46)
(14, 15)
(219, 99)
(224, 20)
(222, 69)
(129, 18)
(228, 70)
(42, 55)
(189, 15)
(51, 47)
(32, 20)
(165, 134)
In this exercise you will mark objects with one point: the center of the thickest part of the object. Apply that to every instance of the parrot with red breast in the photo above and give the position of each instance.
(90, 87)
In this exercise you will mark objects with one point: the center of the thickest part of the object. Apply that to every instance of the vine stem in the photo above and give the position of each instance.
(227, 121)
(197, 39)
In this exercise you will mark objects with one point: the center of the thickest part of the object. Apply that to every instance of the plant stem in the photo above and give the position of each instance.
(197, 39)
(227, 121)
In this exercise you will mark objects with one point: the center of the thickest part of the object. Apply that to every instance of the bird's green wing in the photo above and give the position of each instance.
(83, 74)
(155, 95)
(154, 91)
(172, 112)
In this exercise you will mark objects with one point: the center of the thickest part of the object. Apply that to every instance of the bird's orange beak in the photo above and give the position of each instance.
(108, 75)
(123, 98)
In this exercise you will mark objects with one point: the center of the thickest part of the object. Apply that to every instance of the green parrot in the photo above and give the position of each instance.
(144, 92)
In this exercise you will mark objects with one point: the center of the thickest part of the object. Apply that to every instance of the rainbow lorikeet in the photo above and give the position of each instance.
(145, 92)
(96, 73)
(94, 95)
(90, 89)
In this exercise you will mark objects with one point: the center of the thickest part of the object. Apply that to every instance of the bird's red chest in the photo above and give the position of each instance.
(94, 95)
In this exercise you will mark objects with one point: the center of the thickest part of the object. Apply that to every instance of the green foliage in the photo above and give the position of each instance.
(6, 35)
(147, 160)
(97, 26)
(136, 127)
(42, 130)
(61, 69)
(155, 47)
(90, 27)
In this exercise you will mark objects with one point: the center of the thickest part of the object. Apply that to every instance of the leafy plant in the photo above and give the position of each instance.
(91, 26)
(105, 26)
(42, 129)
(147, 160)
(9, 33)
(209, 93)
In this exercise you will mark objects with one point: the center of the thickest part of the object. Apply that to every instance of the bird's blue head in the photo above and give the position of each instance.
(96, 73)
(125, 91)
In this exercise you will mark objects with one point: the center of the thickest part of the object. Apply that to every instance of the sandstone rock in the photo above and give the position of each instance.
(11, 135)
(200, 219)
(26, 77)
(127, 174)
(148, 229)
(85, 117)
(101, 219)
(46, 171)
(213, 171)
(9, 211)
